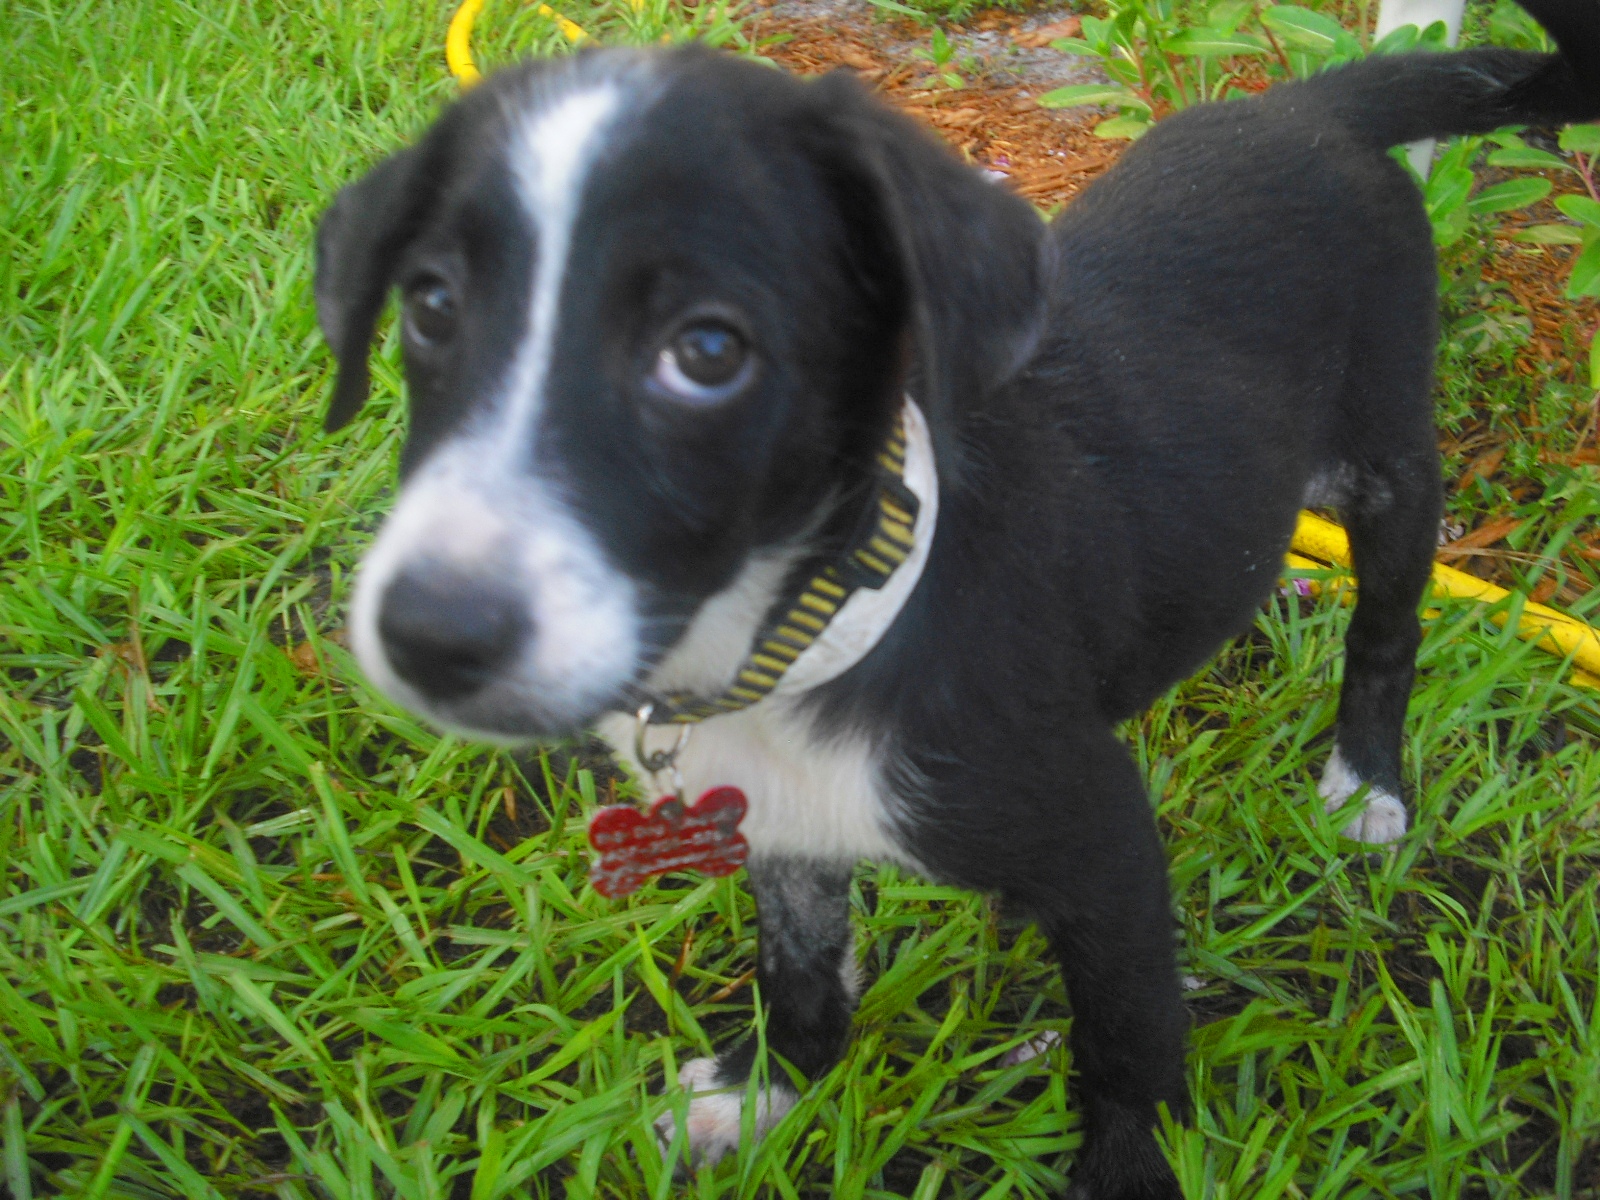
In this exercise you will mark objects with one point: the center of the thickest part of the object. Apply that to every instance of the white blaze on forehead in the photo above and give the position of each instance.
(551, 153)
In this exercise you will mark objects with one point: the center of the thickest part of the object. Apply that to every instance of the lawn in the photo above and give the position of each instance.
(263, 934)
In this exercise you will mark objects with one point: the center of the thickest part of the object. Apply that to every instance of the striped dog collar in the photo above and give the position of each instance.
(850, 603)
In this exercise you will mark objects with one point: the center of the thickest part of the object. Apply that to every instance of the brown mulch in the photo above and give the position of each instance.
(1048, 156)
(1536, 276)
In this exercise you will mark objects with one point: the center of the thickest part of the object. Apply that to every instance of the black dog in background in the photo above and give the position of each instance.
(663, 312)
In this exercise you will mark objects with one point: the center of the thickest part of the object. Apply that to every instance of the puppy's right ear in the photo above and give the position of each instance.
(967, 258)
(359, 241)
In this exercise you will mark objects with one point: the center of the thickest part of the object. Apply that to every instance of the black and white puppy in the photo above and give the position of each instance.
(662, 312)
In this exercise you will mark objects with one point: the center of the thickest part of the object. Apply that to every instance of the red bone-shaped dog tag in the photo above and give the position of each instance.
(631, 846)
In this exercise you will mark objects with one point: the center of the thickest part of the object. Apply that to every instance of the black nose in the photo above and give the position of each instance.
(447, 634)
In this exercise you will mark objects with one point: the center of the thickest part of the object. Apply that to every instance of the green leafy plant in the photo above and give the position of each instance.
(1447, 191)
(941, 54)
(931, 12)
(1583, 143)
(1509, 24)
(1157, 62)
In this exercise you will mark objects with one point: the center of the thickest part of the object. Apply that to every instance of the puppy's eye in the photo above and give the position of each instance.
(431, 311)
(705, 362)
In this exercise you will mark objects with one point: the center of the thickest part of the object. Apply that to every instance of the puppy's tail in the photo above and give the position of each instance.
(1390, 99)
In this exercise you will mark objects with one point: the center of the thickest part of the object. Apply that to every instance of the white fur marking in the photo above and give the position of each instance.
(550, 159)
(809, 797)
(433, 519)
(1330, 488)
(718, 639)
(513, 533)
(850, 971)
(1382, 821)
(715, 1115)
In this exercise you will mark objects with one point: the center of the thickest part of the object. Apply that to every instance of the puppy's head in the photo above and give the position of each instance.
(655, 313)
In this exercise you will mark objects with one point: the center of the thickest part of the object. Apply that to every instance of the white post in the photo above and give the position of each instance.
(1394, 13)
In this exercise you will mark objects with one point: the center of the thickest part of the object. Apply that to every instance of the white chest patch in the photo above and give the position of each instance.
(810, 797)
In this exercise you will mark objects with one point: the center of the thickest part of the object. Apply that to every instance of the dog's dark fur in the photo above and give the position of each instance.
(1128, 407)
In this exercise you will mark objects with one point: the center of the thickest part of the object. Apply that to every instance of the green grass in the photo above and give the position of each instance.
(262, 934)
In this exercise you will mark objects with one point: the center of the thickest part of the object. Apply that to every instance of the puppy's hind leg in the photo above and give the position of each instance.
(807, 972)
(1393, 522)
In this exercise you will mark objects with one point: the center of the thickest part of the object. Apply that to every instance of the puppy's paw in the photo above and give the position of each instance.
(1119, 1159)
(716, 1111)
(1382, 821)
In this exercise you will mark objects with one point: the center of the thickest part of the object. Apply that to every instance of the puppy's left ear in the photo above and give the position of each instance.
(358, 242)
(969, 254)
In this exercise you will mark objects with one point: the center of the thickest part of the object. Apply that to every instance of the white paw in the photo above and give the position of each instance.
(1031, 1049)
(1384, 818)
(715, 1113)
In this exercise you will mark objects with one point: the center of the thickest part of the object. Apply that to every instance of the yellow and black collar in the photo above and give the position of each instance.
(881, 544)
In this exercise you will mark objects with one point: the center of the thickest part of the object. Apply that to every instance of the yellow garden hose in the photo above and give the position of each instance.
(1326, 543)
(458, 41)
(458, 44)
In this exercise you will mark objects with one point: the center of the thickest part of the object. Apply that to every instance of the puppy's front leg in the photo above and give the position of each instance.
(1092, 872)
(807, 973)
(1114, 936)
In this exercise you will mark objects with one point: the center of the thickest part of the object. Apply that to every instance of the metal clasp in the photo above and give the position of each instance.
(657, 761)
